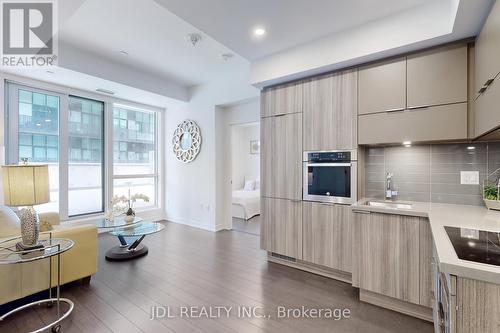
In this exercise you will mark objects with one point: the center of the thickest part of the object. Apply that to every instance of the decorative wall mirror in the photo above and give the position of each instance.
(186, 141)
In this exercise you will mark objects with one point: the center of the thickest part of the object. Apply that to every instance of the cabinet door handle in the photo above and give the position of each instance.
(488, 82)
(361, 211)
(418, 107)
(394, 110)
(482, 90)
(280, 115)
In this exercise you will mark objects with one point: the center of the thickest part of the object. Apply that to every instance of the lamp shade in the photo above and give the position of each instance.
(25, 185)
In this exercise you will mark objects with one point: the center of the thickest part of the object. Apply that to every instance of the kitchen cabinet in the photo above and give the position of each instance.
(477, 306)
(487, 49)
(281, 158)
(281, 229)
(487, 112)
(382, 87)
(437, 123)
(437, 77)
(282, 99)
(392, 256)
(330, 112)
(327, 235)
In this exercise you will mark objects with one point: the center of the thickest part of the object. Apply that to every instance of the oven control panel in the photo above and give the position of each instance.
(329, 157)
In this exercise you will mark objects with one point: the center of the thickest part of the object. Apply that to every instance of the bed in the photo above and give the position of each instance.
(246, 204)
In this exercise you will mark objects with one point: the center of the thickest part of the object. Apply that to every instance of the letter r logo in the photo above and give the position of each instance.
(27, 27)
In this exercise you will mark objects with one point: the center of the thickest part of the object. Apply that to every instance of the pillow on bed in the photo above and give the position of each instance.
(249, 185)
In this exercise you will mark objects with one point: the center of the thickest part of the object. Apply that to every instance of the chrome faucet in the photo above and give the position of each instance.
(388, 186)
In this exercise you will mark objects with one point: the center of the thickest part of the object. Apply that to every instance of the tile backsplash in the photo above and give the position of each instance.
(431, 172)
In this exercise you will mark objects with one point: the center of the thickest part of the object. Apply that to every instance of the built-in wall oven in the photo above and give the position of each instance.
(330, 176)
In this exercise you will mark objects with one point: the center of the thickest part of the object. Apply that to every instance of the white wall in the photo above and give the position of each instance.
(227, 116)
(244, 165)
(191, 189)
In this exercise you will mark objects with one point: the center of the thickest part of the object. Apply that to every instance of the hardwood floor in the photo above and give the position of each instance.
(190, 267)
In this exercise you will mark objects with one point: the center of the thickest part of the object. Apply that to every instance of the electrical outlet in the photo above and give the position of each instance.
(469, 177)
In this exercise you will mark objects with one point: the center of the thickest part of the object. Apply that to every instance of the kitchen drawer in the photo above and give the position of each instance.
(446, 122)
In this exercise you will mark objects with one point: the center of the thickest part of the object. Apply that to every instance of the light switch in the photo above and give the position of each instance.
(469, 177)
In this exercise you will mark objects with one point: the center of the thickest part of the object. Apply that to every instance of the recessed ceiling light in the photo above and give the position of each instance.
(124, 52)
(406, 143)
(259, 31)
(38, 124)
(471, 147)
(48, 120)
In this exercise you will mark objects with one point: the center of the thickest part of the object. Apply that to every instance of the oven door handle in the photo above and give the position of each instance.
(328, 164)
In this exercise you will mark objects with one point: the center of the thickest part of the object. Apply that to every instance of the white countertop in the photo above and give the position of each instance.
(441, 215)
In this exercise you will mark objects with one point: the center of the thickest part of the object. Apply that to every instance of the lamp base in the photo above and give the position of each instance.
(21, 247)
(30, 227)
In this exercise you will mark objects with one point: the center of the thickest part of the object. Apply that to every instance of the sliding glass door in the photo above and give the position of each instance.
(65, 132)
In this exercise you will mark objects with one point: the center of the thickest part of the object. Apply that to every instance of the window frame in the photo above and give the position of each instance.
(154, 211)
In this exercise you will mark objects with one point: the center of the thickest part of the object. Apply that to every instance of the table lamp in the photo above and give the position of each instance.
(26, 185)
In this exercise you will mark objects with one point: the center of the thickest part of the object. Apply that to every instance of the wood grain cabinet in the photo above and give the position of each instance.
(281, 156)
(392, 255)
(382, 87)
(437, 77)
(330, 112)
(281, 229)
(282, 99)
(327, 235)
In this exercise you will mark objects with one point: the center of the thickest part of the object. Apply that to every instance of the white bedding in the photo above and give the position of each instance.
(246, 204)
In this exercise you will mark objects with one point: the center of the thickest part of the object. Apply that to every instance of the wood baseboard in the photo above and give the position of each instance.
(414, 310)
(313, 268)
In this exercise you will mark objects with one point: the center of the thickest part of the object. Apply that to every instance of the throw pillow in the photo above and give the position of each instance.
(249, 185)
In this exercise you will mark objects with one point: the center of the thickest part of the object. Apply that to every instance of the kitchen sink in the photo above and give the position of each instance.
(390, 205)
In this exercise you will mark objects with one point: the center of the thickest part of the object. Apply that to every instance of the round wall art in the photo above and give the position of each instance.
(186, 141)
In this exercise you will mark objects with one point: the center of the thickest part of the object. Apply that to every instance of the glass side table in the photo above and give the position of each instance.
(126, 251)
(10, 255)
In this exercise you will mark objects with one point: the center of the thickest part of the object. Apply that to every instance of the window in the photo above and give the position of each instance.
(86, 162)
(35, 115)
(68, 133)
(134, 154)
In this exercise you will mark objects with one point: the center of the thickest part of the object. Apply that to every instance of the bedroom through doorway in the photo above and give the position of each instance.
(245, 177)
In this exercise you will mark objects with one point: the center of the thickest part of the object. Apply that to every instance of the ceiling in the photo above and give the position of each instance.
(154, 38)
(289, 23)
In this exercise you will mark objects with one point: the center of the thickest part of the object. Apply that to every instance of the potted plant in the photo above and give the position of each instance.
(125, 205)
(491, 196)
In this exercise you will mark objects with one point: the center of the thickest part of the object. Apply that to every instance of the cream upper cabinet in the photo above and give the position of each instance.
(327, 235)
(487, 49)
(281, 99)
(382, 87)
(330, 112)
(437, 77)
(435, 123)
(487, 115)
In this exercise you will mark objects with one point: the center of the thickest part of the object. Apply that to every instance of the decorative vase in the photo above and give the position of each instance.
(30, 227)
(129, 215)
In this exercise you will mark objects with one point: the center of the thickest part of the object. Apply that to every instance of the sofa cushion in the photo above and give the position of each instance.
(9, 223)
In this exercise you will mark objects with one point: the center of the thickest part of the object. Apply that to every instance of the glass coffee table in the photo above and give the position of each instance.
(52, 247)
(126, 251)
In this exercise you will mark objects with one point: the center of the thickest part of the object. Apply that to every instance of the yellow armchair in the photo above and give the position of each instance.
(80, 262)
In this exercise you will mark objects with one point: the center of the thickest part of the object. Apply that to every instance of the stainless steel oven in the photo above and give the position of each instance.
(330, 176)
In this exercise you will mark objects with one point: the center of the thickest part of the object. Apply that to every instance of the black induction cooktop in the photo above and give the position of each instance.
(475, 245)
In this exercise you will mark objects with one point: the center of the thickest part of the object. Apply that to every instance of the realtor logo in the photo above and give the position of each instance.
(28, 33)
